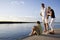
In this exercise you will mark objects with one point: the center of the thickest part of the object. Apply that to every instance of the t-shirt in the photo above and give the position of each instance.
(40, 28)
(43, 12)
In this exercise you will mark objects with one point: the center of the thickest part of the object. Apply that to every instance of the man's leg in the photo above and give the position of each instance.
(45, 27)
(46, 24)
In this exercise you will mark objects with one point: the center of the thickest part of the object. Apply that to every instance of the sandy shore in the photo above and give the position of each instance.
(55, 36)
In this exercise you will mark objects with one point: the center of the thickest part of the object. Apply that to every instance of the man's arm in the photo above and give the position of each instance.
(40, 14)
(46, 11)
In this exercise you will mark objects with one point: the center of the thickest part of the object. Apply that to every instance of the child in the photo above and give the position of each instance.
(36, 30)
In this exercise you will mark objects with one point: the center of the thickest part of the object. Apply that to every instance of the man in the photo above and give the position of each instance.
(44, 17)
(52, 15)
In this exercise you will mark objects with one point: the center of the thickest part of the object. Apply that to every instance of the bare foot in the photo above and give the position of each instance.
(30, 34)
(44, 31)
(47, 32)
(52, 32)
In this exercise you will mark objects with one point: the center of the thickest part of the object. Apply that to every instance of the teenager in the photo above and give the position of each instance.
(52, 15)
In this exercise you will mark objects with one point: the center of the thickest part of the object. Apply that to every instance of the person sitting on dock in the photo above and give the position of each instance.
(36, 30)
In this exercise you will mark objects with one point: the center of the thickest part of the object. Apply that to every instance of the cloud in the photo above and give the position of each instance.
(17, 2)
(22, 2)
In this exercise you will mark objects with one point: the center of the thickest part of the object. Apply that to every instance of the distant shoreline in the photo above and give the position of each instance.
(10, 22)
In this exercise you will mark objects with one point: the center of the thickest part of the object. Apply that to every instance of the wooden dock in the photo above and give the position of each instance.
(55, 36)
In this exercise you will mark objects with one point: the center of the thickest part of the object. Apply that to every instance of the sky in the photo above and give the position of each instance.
(26, 9)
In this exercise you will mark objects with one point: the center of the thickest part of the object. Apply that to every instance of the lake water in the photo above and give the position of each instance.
(15, 31)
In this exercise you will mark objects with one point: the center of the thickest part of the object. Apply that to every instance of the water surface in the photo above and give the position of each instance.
(15, 31)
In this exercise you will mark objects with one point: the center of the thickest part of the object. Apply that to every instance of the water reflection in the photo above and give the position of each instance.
(13, 31)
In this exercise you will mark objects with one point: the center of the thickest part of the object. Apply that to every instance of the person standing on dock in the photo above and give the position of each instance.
(52, 15)
(44, 17)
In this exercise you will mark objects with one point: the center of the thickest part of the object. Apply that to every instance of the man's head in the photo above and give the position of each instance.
(43, 5)
(38, 22)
